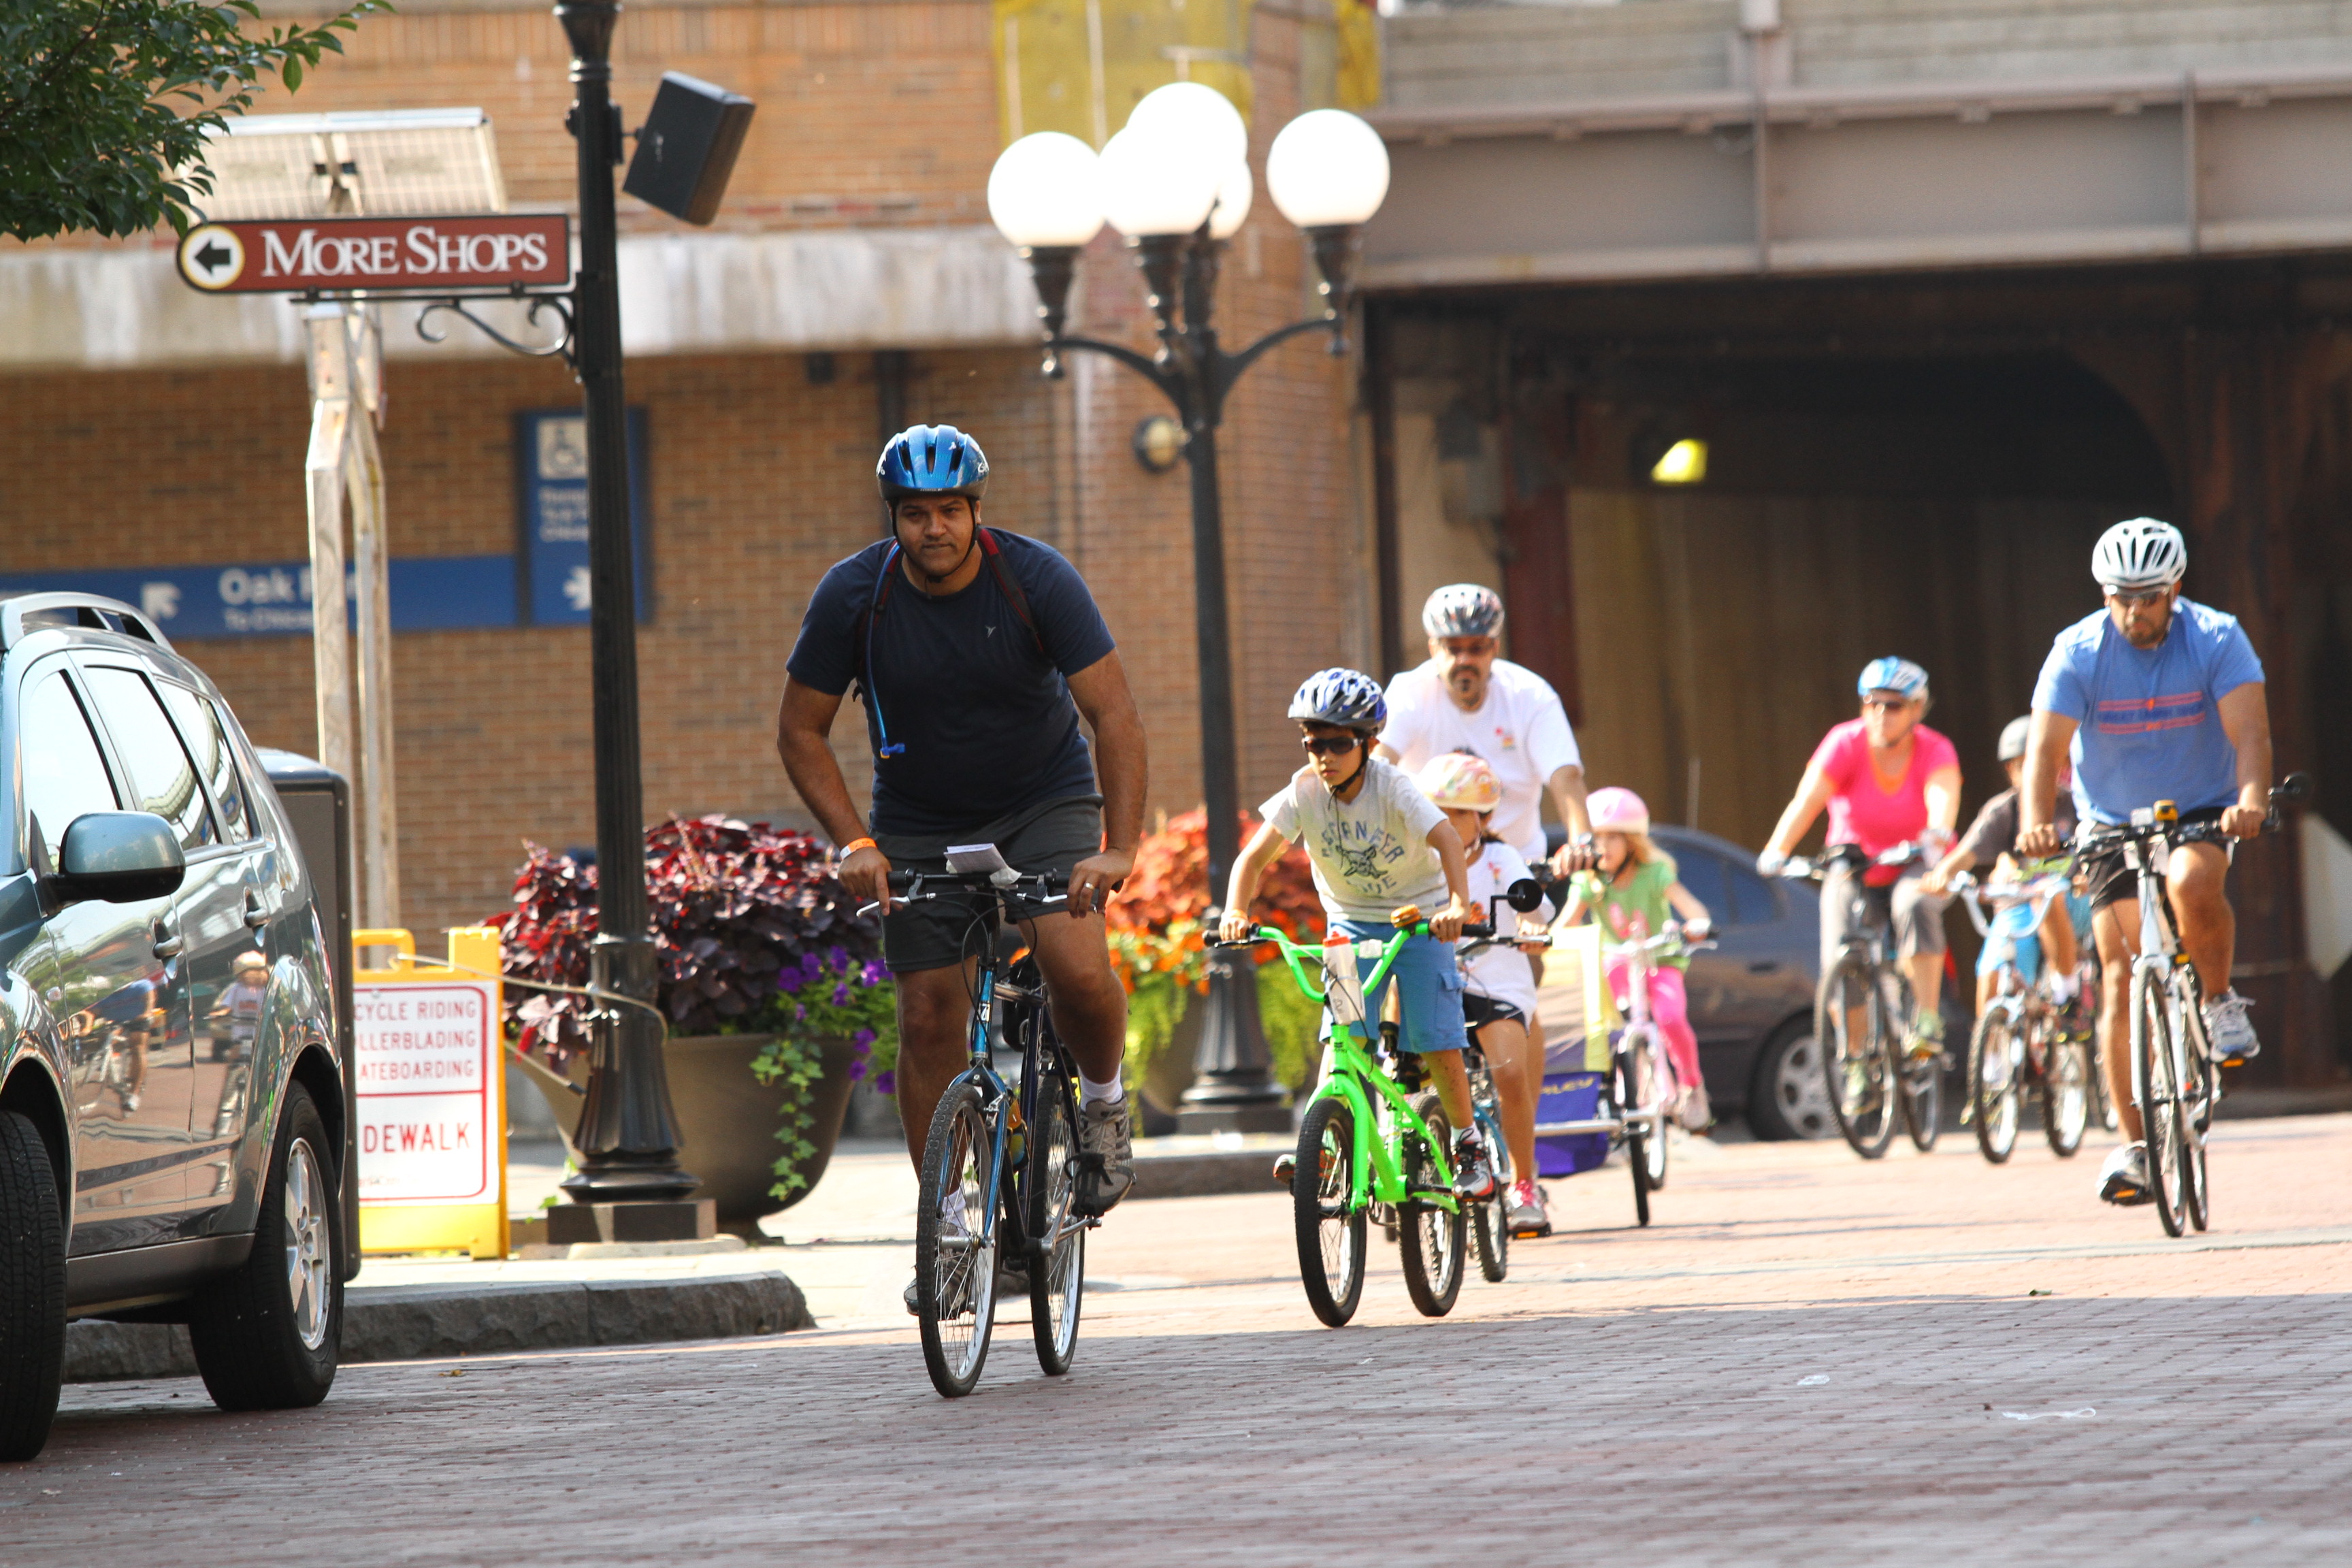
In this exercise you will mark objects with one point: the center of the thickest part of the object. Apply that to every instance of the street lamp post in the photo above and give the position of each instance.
(1176, 181)
(628, 1138)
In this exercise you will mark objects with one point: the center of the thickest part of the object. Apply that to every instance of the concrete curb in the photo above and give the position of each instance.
(1209, 1174)
(408, 1322)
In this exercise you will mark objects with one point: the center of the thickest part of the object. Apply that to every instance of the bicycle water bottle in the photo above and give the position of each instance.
(1343, 986)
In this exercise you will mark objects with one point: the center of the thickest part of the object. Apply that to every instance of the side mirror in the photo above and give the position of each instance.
(2294, 787)
(118, 858)
(1525, 895)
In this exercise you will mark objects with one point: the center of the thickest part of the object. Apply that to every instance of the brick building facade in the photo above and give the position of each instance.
(877, 122)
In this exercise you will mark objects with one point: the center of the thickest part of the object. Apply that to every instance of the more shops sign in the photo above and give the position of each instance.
(272, 598)
(384, 255)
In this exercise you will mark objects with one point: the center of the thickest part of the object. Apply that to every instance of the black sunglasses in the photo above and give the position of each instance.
(1330, 745)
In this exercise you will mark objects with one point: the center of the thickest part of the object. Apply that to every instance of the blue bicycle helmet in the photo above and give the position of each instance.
(931, 460)
(1891, 674)
(1347, 698)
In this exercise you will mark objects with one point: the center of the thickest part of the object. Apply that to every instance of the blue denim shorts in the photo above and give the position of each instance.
(2013, 928)
(1428, 983)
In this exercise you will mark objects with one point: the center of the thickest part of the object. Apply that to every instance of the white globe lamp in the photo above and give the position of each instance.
(1327, 170)
(1155, 183)
(1193, 113)
(1045, 191)
(1233, 208)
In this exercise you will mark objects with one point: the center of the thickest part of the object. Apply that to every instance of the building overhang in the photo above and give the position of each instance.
(1867, 179)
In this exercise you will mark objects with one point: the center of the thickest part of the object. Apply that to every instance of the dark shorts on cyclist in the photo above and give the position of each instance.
(2108, 877)
(1915, 918)
(1053, 835)
(1478, 1011)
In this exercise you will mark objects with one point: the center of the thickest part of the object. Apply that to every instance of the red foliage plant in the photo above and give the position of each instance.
(742, 912)
(1171, 882)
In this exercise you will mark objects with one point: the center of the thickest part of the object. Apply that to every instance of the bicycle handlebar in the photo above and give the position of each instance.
(1813, 867)
(1034, 886)
(2163, 820)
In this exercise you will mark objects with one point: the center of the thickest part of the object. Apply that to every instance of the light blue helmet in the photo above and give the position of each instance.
(1347, 698)
(1891, 674)
(931, 460)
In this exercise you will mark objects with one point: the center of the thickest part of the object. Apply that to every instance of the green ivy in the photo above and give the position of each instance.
(825, 998)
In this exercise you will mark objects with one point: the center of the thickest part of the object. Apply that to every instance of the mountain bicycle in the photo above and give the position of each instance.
(1864, 994)
(2176, 1082)
(1374, 1143)
(999, 1165)
(2020, 1043)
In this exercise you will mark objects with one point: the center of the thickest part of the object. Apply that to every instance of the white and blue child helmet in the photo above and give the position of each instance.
(1900, 675)
(1347, 698)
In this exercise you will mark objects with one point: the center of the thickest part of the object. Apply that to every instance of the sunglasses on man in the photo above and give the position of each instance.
(1330, 745)
(2142, 599)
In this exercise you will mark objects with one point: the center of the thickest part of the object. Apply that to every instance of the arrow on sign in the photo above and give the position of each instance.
(214, 256)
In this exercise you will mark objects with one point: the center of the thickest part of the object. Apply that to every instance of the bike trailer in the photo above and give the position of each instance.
(1569, 1097)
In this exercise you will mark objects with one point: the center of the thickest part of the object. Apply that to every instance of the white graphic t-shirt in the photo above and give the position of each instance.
(1502, 972)
(1371, 854)
(1520, 730)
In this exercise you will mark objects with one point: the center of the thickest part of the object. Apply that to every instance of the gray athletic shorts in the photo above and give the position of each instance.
(1915, 918)
(1053, 835)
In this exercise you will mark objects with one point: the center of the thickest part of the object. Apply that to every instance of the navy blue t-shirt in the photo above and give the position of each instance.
(986, 718)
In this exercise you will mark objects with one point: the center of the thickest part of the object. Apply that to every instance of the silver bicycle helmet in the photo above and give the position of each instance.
(2013, 736)
(2139, 554)
(1347, 698)
(1462, 610)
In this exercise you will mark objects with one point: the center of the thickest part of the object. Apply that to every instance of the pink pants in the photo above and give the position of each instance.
(1670, 1010)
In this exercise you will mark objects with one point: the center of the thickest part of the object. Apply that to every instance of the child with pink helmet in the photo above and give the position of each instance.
(1633, 895)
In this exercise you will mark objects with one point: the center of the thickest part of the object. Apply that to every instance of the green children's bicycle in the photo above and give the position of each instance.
(1373, 1144)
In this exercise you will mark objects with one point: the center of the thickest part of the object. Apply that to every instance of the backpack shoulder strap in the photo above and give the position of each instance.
(1009, 585)
(863, 635)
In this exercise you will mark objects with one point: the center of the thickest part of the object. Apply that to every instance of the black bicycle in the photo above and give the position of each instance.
(1001, 1164)
(2175, 1078)
(1861, 1015)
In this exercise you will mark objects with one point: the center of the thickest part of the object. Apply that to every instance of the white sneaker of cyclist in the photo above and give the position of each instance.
(2230, 1031)
(2123, 1179)
(2062, 989)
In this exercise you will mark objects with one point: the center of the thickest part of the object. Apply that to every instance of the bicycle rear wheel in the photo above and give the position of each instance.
(1994, 1073)
(2200, 1088)
(1432, 1237)
(1856, 1066)
(1490, 1222)
(2068, 1085)
(955, 1253)
(1057, 1236)
(1920, 1084)
(2157, 1072)
(1330, 1234)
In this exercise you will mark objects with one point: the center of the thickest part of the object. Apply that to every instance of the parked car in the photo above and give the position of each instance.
(172, 1113)
(1751, 995)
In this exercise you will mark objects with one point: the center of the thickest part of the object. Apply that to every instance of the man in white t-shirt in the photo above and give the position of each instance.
(1466, 698)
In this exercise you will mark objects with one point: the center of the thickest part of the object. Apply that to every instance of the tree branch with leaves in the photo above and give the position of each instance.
(105, 105)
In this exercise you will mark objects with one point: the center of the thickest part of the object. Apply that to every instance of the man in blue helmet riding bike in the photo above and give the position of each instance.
(976, 652)
(2154, 696)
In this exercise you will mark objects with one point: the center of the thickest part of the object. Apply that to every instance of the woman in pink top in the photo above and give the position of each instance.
(1888, 780)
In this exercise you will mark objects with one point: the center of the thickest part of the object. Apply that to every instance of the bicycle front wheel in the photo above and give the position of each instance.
(2068, 1085)
(1057, 1236)
(1642, 1076)
(1331, 1232)
(955, 1252)
(2156, 1074)
(1856, 1061)
(1996, 1052)
(1490, 1222)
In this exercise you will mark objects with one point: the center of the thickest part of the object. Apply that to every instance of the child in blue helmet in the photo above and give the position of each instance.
(1376, 843)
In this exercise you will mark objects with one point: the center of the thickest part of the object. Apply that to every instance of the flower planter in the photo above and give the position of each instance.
(727, 1119)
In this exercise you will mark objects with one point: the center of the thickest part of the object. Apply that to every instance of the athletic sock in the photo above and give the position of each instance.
(1093, 1093)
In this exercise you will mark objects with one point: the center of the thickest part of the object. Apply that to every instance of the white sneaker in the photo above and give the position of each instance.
(2123, 1179)
(2230, 1031)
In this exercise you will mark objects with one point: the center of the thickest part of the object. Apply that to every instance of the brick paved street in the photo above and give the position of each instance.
(1808, 1360)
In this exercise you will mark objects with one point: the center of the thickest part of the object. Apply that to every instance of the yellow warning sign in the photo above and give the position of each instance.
(427, 1048)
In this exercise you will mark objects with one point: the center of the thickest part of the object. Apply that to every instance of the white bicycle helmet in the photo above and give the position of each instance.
(1462, 610)
(2139, 554)
(2013, 737)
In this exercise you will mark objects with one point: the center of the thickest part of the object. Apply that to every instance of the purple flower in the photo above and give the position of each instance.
(874, 974)
(863, 1040)
(886, 1083)
(841, 994)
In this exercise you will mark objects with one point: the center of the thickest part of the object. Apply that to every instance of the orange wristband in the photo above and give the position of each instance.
(853, 846)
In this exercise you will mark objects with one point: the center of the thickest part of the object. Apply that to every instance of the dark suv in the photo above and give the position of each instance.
(172, 1104)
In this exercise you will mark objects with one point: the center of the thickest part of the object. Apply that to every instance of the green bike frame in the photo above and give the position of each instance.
(1377, 1172)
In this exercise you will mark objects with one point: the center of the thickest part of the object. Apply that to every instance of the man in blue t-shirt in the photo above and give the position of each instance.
(976, 653)
(2161, 699)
